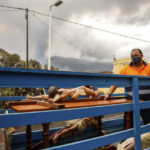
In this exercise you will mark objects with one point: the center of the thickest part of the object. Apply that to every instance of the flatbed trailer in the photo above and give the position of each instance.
(28, 78)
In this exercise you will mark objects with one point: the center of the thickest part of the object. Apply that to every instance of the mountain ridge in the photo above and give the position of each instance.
(81, 65)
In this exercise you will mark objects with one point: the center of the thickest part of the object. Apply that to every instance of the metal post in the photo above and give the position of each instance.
(27, 39)
(49, 52)
(136, 113)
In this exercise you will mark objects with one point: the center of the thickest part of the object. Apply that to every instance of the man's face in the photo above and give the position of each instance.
(136, 53)
(136, 57)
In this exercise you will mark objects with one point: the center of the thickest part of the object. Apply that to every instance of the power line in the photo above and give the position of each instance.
(70, 42)
(39, 13)
(12, 7)
(39, 19)
(91, 27)
(9, 10)
(24, 9)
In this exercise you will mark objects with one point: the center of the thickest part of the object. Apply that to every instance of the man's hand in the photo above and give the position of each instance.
(110, 92)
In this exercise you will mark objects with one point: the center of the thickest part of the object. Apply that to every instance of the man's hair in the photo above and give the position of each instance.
(52, 91)
(136, 49)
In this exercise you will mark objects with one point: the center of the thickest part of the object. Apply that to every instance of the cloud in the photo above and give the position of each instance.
(120, 12)
(74, 41)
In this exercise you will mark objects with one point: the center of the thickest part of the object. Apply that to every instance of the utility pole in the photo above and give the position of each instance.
(27, 30)
(27, 38)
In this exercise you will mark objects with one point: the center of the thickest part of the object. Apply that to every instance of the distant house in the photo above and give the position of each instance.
(118, 64)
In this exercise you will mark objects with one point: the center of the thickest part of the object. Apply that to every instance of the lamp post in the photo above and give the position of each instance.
(49, 52)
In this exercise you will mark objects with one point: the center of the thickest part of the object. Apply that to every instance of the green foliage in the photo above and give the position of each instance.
(54, 68)
(34, 64)
(21, 64)
(20, 91)
(4, 56)
(14, 60)
(46, 67)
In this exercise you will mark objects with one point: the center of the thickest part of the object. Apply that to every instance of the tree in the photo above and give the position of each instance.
(12, 60)
(4, 55)
(52, 68)
(46, 66)
(21, 64)
(34, 64)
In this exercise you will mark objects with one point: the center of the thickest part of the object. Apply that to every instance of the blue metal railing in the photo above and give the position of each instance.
(10, 77)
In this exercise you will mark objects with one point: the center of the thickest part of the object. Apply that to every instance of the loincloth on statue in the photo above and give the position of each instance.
(80, 91)
(82, 123)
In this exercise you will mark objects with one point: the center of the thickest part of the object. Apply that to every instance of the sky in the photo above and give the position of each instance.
(124, 17)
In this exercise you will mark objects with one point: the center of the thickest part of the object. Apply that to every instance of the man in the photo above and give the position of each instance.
(137, 67)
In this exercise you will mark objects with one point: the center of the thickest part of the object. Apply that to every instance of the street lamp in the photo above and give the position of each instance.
(49, 52)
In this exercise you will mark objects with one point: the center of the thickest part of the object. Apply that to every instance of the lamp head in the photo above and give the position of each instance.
(58, 3)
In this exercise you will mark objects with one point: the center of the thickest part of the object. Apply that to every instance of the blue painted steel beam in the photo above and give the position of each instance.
(145, 105)
(136, 114)
(11, 98)
(145, 128)
(10, 77)
(95, 142)
(144, 80)
(14, 98)
(19, 119)
(2, 111)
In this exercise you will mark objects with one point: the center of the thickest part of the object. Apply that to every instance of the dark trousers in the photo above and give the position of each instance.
(145, 114)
